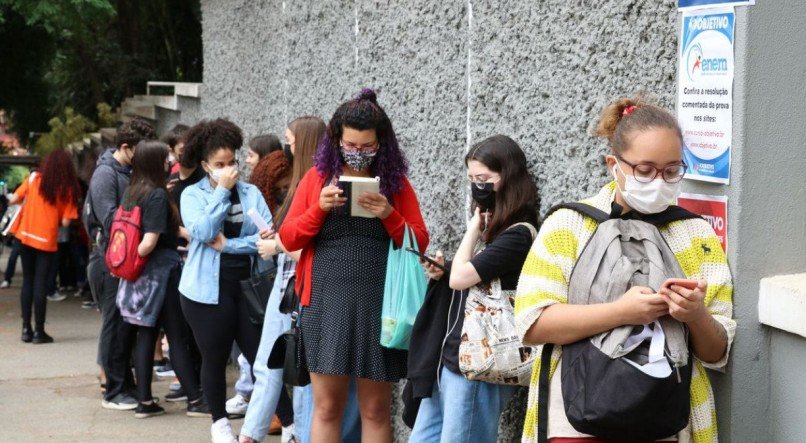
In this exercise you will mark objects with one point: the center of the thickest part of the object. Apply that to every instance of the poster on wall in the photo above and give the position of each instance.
(705, 93)
(713, 208)
(700, 4)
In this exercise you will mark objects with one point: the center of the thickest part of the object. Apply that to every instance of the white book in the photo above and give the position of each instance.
(353, 188)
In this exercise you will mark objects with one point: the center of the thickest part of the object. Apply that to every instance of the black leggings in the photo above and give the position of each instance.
(36, 267)
(173, 323)
(215, 327)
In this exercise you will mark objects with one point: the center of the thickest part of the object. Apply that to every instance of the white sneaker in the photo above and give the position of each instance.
(56, 296)
(221, 432)
(237, 405)
(288, 435)
(6, 284)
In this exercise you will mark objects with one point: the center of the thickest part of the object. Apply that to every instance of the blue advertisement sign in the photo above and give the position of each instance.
(683, 4)
(705, 93)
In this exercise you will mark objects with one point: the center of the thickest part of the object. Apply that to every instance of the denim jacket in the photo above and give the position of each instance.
(204, 209)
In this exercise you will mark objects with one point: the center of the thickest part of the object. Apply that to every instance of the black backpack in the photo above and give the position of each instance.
(615, 385)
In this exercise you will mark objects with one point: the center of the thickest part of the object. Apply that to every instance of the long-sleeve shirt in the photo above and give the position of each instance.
(305, 218)
(204, 209)
(547, 271)
(38, 223)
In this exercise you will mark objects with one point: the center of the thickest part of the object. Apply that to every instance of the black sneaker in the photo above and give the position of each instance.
(199, 409)
(41, 337)
(27, 334)
(160, 363)
(151, 410)
(175, 396)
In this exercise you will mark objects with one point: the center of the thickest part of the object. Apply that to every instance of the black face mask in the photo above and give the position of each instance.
(484, 196)
(288, 154)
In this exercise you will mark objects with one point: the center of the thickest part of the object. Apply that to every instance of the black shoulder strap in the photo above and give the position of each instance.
(671, 214)
(587, 210)
(543, 393)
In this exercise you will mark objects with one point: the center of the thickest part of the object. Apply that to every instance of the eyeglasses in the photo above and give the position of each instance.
(374, 146)
(645, 173)
(480, 181)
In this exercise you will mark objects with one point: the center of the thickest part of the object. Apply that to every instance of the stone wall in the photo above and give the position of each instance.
(449, 74)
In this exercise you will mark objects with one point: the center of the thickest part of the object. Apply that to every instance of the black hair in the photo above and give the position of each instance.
(264, 145)
(133, 131)
(207, 137)
(174, 136)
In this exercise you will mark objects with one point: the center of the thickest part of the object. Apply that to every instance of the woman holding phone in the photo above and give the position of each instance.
(504, 220)
(646, 165)
(341, 272)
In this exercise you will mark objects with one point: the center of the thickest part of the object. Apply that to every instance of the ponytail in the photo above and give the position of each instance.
(622, 118)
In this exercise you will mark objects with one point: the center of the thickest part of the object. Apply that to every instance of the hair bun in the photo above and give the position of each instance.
(368, 94)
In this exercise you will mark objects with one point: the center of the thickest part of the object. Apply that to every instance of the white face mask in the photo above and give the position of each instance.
(647, 198)
(215, 174)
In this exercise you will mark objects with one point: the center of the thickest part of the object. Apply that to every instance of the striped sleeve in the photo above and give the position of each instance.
(547, 269)
(700, 254)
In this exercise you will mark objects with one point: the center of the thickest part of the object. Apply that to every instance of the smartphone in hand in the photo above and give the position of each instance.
(428, 259)
(686, 283)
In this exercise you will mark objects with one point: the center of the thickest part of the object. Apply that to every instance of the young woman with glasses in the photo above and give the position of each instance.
(494, 247)
(646, 164)
(341, 273)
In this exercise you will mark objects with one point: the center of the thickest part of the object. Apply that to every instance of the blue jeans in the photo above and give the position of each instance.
(268, 382)
(244, 384)
(462, 411)
(303, 415)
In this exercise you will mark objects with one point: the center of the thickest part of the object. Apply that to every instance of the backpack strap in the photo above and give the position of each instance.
(582, 208)
(543, 394)
(527, 225)
(671, 214)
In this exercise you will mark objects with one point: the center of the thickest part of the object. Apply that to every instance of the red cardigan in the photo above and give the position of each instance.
(305, 219)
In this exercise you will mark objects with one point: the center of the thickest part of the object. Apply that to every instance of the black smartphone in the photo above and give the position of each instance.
(427, 259)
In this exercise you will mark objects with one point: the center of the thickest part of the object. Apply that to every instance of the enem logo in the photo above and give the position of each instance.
(698, 64)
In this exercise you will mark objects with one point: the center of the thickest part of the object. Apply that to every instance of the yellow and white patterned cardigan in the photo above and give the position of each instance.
(544, 282)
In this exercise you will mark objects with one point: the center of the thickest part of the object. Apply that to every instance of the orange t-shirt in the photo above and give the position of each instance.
(38, 223)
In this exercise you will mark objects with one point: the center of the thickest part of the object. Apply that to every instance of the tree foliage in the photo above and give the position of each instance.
(91, 51)
(65, 129)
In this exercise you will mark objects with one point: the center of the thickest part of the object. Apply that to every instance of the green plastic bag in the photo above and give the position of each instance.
(403, 293)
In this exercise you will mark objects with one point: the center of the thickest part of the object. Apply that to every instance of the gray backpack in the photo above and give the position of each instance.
(632, 382)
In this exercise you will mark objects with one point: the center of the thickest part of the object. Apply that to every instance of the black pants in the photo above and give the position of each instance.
(215, 327)
(117, 337)
(173, 323)
(36, 267)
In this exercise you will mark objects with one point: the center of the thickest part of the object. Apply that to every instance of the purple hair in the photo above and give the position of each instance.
(363, 113)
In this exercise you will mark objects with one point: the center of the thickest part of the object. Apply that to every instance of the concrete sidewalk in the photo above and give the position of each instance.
(51, 393)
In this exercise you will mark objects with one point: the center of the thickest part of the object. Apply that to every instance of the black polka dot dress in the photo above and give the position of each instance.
(341, 328)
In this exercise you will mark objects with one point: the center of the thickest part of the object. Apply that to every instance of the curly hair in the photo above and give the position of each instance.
(59, 183)
(133, 131)
(207, 137)
(363, 113)
(267, 173)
